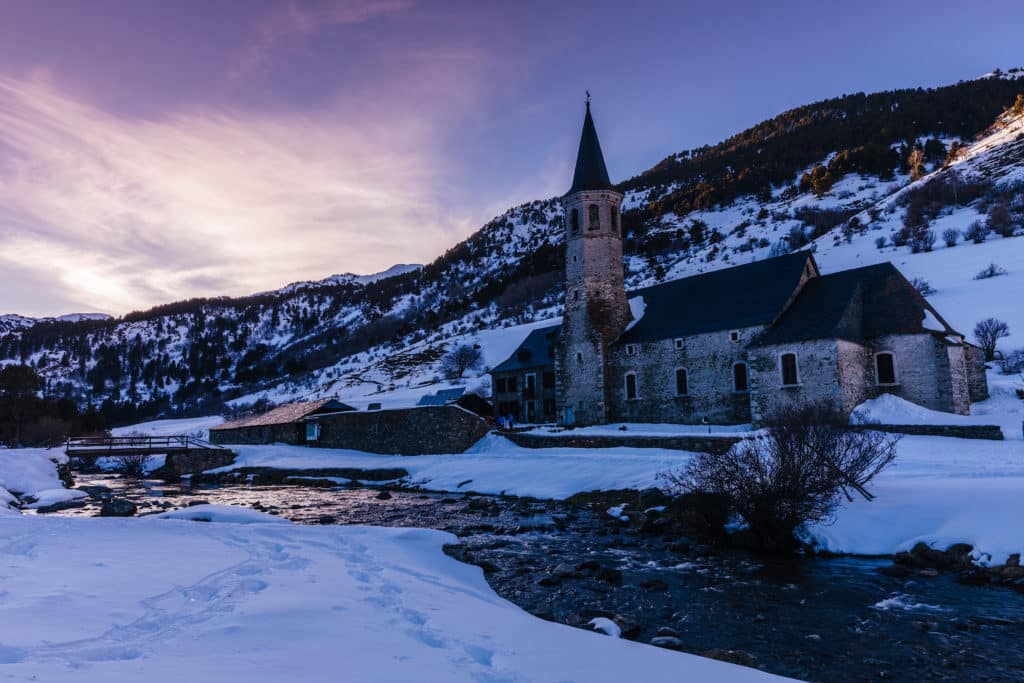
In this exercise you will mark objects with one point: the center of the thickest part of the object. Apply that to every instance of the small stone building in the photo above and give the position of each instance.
(292, 423)
(729, 346)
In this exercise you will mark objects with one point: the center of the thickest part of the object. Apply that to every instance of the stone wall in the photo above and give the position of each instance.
(708, 360)
(408, 431)
(293, 433)
(928, 373)
(193, 462)
(977, 381)
(703, 444)
(817, 375)
(989, 432)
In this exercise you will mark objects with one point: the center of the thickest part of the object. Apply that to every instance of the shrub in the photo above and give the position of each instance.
(976, 232)
(922, 240)
(922, 286)
(808, 460)
(990, 271)
(461, 358)
(131, 466)
(1012, 362)
(900, 237)
(950, 236)
(880, 242)
(999, 219)
(987, 333)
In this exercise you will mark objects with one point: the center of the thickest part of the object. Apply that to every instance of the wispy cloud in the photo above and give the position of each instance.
(121, 213)
(293, 21)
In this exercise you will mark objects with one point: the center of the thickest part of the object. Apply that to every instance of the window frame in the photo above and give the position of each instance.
(734, 336)
(632, 350)
(636, 386)
(679, 343)
(686, 382)
(746, 377)
(796, 370)
(878, 374)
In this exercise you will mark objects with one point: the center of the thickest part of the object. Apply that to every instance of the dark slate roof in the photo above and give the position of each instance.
(591, 173)
(442, 397)
(290, 412)
(855, 305)
(537, 349)
(729, 299)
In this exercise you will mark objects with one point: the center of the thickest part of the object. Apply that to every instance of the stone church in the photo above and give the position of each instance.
(729, 346)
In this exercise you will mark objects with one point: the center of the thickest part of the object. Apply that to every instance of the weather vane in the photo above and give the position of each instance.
(588, 97)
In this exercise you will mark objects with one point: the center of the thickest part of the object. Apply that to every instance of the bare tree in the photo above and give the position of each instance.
(461, 358)
(131, 466)
(988, 333)
(807, 461)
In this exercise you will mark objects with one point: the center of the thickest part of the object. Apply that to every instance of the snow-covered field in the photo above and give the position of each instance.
(171, 600)
(31, 473)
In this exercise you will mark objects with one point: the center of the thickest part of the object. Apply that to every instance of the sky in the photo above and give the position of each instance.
(152, 151)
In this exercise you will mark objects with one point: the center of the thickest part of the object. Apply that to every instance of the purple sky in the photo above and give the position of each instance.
(154, 150)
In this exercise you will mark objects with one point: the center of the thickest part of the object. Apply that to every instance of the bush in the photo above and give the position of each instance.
(950, 236)
(976, 232)
(922, 240)
(922, 286)
(808, 461)
(461, 358)
(992, 270)
(999, 219)
(987, 333)
(131, 466)
(880, 242)
(1012, 362)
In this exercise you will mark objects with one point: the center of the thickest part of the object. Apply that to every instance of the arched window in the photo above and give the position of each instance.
(787, 365)
(682, 386)
(579, 357)
(574, 223)
(885, 368)
(739, 377)
(593, 217)
(615, 220)
(631, 386)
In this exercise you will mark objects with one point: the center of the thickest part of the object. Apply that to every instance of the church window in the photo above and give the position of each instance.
(579, 357)
(615, 220)
(739, 377)
(593, 217)
(575, 221)
(787, 364)
(682, 386)
(575, 295)
(678, 343)
(734, 336)
(885, 368)
(631, 386)
(630, 349)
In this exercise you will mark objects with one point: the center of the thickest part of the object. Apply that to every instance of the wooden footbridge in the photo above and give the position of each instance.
(103, 446)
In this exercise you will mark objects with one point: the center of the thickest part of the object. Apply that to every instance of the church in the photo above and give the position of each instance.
(725, 347)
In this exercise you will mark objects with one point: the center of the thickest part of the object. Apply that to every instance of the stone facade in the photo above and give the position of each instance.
(977, 382)
(596, 309)
(818, 381)
(409, 431)
(290, 433)
(709, 362)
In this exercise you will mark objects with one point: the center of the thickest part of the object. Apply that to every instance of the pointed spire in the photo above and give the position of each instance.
(591, 173)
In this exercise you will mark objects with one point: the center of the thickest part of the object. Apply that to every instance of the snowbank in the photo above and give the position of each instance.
(493, 465)
(188, 425)
(893, 410)
(31, 473)
(146, 599)
(645, 429)
(221, 513)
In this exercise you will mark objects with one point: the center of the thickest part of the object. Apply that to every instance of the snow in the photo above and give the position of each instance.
(606, 626)
(221, 513)
(493, 465)
(652, 429)
(31, 473)
(637, 307)
(931, 322)
(893, 410)
(169, 600)
(185, 426)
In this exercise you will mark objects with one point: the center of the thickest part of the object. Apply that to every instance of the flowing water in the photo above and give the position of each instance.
(816, 619)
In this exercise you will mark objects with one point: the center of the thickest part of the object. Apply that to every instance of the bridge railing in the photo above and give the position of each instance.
(152, 444)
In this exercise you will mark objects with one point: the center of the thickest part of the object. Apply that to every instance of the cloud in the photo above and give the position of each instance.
(292, 21)
(119, 213)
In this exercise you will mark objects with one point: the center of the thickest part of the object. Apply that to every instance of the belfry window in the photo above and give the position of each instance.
(593, 217)
(615, 220)
(574, 223)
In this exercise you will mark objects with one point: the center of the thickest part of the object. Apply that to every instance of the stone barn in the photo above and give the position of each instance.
(293, 424)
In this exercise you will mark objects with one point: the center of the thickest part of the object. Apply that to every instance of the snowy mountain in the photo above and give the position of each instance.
(861, 178)
(13, 322)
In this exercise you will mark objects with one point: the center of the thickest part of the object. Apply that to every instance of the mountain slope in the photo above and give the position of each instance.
(693, 212)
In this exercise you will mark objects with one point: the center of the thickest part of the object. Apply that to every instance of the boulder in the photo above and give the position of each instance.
(383, 495)
(666, 632)
(741, 657)
(653, 585)
(667, 642)
(118, 507)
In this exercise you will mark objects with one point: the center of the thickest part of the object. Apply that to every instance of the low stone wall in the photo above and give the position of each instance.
(703, 444)
(193, 462)
(290, 433)
(409, 431)
(989, 432)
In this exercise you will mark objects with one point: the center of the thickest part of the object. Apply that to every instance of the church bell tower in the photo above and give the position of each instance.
(596, 310)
